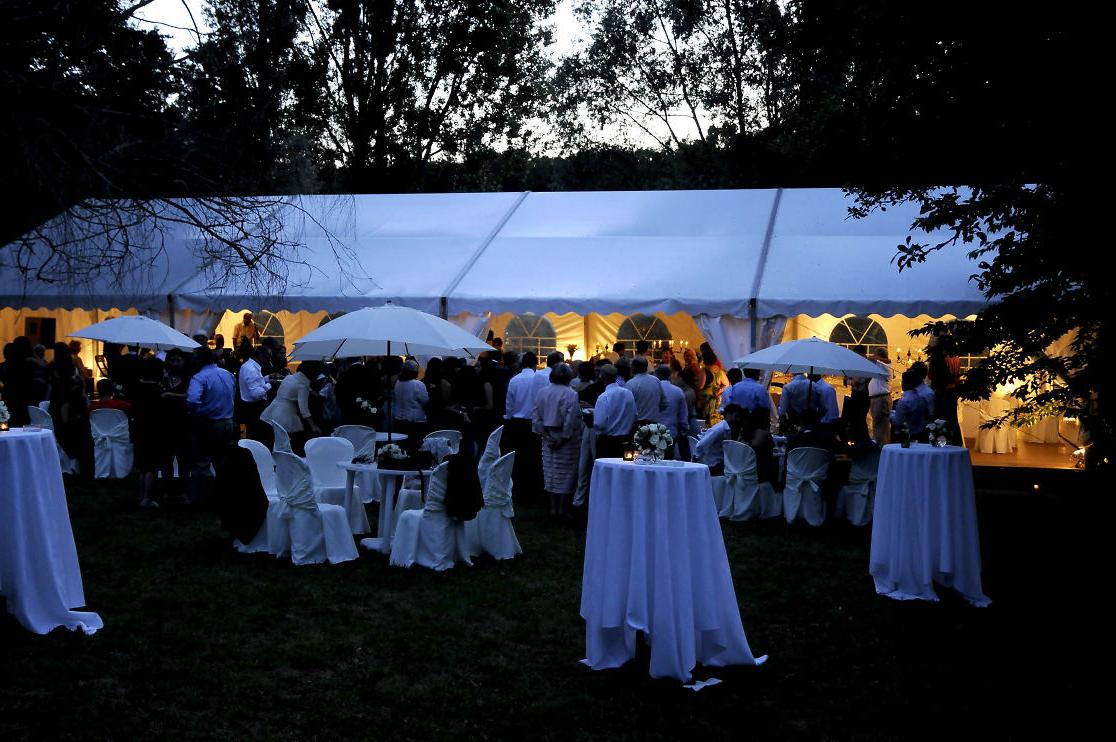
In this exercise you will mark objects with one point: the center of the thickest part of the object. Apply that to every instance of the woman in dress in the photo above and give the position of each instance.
(557, 420)
(291, 407)
(69, 409)
(709, 395)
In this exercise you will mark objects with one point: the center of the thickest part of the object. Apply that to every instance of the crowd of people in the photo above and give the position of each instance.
(190, 407)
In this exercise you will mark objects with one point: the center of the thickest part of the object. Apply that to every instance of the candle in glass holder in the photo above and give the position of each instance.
(629, 455)
(3, 426)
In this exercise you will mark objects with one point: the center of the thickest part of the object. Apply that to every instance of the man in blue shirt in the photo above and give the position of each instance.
(749, 393)
(209, 400)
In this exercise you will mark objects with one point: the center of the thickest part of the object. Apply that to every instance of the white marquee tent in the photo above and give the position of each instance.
(729, 265)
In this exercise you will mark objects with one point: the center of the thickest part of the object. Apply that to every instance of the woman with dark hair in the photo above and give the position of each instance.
(149, 434)
(945, 376)
(15, 382)
(557, 421)
(69, 409)
(174, 438)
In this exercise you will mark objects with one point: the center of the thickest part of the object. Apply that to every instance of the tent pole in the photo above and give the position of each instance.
(389, 394)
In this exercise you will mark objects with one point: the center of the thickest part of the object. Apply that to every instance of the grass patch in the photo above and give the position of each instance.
(203, 642)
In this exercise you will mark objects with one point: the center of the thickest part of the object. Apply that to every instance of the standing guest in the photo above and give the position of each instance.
(69, 409)
(945, 377)
(735, 376)
(557, 421)
(616, 353)
(614, 415)
(709, 395)
(879, 398)
(253, 388)
(690, 363)
(224, 355)
(39, 371)
(246, 330)
(494, 378)
(209, 401)
(684, 379)
(291, 407)
(106, 398)
(542, 377)
(910, 410)
(923, 390)
(667, 357)
(408, 404)
(323, 402)
(75, 353)
(592, 391)
(641, 351)
(584, 373)
(675, 416)
(439, 391)
(518, 435)
(749, 393)
(623, 370)
(176, 435)
(647, 391)
(148, 430)
(16, 380)
(243, 351)
(279, 367)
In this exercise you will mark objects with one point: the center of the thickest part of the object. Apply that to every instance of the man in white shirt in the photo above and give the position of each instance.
(647, 391)
(711, 447)
(613, 416)
(879, 399)
(518, 435)
(674, 415)
(253, 388)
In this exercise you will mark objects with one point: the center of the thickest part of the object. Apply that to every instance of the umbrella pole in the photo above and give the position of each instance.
(387, 382)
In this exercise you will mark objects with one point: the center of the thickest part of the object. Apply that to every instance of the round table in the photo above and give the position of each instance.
(924, 524)
(655, 562)
(385, 525)
(39, 572)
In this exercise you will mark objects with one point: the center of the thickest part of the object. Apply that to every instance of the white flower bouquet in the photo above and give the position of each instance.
(4, 414)
(937, 432)
(390, 451)
(653, 440)
(366, 405)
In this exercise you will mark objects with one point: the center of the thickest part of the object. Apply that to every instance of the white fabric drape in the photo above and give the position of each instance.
(491, 531)
(39, 572)
(731, 337)
(112, 444)
(655, 562)
(924, 526)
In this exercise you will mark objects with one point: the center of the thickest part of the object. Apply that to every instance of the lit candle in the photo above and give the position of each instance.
(3, 426)
(629, 456)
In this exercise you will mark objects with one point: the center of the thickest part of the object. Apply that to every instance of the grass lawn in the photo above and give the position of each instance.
(203, 642)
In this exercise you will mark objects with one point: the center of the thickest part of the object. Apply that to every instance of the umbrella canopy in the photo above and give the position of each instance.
(812, 356)
(137, 330)
(387, 330)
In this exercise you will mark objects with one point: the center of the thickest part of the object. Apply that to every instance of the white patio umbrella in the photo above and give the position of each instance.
(382, 331)
(812, 356)
(387, 330)
(137, 330)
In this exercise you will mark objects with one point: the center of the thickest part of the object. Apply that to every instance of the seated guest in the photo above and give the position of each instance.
(106, 398)
(755, 431)
(613, 416)
(910, 410)
(711, 447)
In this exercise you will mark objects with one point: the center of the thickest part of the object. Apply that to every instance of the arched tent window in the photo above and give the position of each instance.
(330, 316)
(644, 327)
(530, 332)
(270, 326)
(853, 331)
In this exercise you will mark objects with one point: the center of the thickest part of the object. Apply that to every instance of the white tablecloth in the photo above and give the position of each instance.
(39, 572)
(924, 525)
(388, 478)
(655, 562)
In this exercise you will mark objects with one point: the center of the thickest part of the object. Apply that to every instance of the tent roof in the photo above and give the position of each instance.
(711, 252)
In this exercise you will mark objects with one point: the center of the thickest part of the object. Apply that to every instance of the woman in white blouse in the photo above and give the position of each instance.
(291, 408)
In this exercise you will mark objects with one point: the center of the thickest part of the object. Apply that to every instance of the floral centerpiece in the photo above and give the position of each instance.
(902, 433)
(365, 405)
(937, 432)
(4, 416)
(390, 452)
(653, 440)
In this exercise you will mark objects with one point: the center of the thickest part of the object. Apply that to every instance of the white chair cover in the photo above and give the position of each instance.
(745, 496)
(43, 420)
(45, 406)
(996, 440)
(857, 498)
(112, 444)
(362, 437)
(491, 453)
(265, 465)
(693, 444)
(428, 537)
(273, 526)
(802, 497)
(315, 531)
(441, 443)
(282, 439)
(323, 456)
(491, 531)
